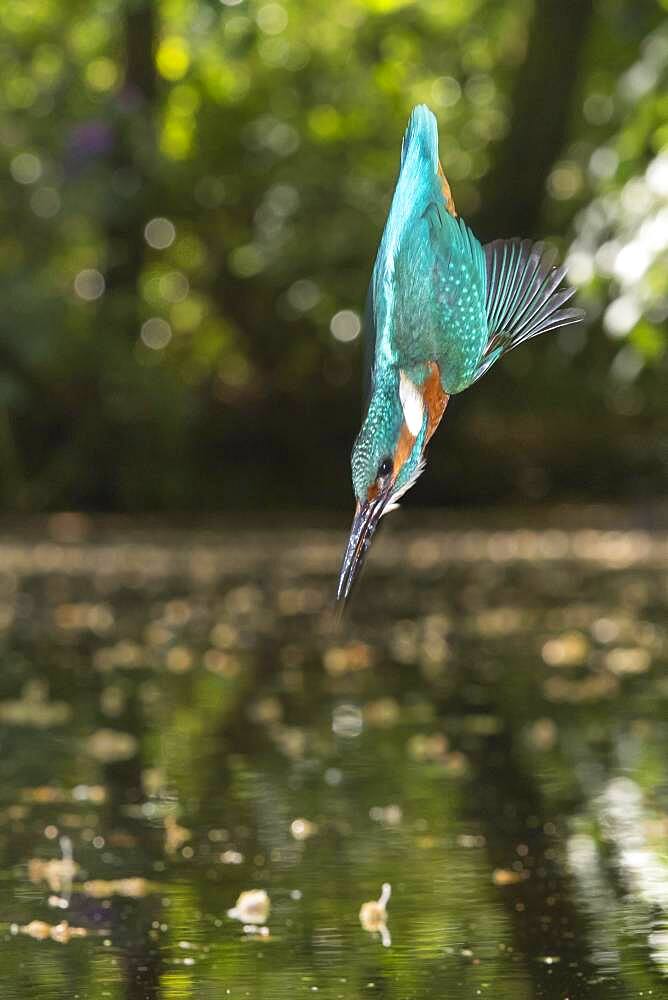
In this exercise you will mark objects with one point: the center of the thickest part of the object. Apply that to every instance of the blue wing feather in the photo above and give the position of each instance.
(437, 294)
(522, 297)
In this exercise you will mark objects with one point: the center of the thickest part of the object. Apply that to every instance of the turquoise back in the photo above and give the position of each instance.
(428, 282)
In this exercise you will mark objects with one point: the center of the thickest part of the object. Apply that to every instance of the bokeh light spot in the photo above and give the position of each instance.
(627, 365)
(173, 58)
(565, 181)
(657, 175)
(325, 122)
(26, 168)
(638, 81)
(603, 163)
(632, 262)
(580, 266)
(303, 295)
(47, 64)
(174, 286)
(176, 138)
(274, 51)
(101, 74)
(480, 89)
(621, 316)
(20, 92)
(45, 202)
(159, 233)
(184, 99)
(156, 333)
(247, 260)
(187, 315)
(598, 108)
(345, 325)
(445, 91)
(89, 284)
(272, 18)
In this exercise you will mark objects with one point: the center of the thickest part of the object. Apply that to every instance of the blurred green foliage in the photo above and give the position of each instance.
(191, 190)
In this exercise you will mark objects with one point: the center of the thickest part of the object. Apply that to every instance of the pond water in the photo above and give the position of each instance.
(183, 720)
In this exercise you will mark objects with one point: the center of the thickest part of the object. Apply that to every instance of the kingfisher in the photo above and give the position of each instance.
(441, 310)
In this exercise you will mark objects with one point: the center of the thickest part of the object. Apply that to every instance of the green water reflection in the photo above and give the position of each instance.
(183, 720)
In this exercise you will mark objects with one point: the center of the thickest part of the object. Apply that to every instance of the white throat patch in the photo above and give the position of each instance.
(411, 403)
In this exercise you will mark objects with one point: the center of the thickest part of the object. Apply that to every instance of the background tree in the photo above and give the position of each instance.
(190, 201)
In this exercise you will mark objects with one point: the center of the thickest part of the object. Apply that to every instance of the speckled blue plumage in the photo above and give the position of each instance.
(437, 295)
(428, 283)
(441, 310)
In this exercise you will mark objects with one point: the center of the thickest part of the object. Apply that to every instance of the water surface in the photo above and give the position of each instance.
(183, 720)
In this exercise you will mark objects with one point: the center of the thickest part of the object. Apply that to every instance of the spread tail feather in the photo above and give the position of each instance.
(523, 298)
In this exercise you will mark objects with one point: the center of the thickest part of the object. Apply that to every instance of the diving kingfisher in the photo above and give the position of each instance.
(441, 309)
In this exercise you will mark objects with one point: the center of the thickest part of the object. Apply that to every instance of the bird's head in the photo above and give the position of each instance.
(388, 456)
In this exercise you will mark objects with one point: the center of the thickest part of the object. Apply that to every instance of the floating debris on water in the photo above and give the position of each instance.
(57, 873)
(35, 709)
(262, 727)
(52, 794)
(382, 713)
(482, 724)
(41, 931)
(302, 829)
(542, 734)
(252, 907)
(347, 659)
(291, 740)
(628, 661)
(373, 915)
(175, 834)
(470, 840)
(266, 710)
(110, 746)
(567, 650)
(433, 746)
(391, 815)
(131, 888)
(506, 876)
(590, 688)
(347, 721)
(232, 857)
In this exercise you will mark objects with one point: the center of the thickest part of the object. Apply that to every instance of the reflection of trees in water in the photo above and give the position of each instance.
(583, 892)
(433, 710)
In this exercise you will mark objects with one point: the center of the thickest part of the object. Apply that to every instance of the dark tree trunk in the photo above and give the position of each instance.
(130, 205)
(140, 21)
(542, 102)
(134, 148)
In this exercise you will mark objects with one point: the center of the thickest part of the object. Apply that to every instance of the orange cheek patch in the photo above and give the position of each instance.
(435, 400)
(447, 193)
(403, 449)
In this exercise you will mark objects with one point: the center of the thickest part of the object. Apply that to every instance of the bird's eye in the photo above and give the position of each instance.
(385, 468)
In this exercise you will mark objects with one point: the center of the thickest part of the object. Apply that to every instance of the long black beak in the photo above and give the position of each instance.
(365, 522)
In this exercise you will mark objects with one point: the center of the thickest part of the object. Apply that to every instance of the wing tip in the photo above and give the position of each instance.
(523, 298)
